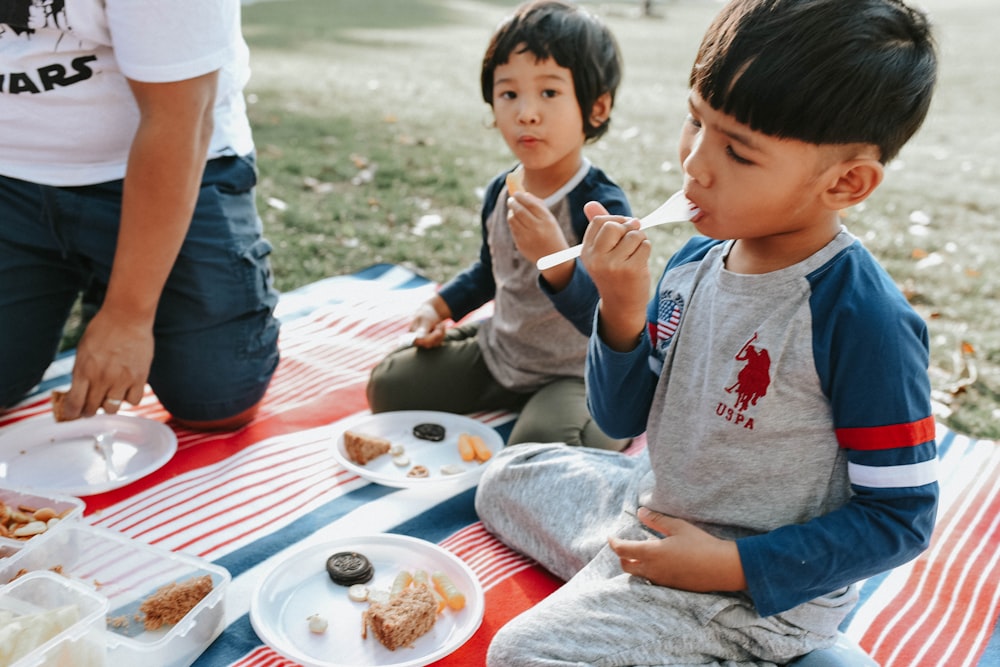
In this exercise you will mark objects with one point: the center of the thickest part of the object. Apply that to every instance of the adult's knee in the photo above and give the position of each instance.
(201, 384)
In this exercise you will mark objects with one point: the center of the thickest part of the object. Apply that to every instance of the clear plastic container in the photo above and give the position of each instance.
(68, 507)
(126, 573)
(81, 644)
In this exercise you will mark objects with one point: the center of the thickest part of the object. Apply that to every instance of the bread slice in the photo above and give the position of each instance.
(58, 397)
(363, 448)
(403, 619)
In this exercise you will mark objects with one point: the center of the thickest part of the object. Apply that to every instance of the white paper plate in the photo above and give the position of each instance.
(62, 457)
(397, 427)
(298, 587)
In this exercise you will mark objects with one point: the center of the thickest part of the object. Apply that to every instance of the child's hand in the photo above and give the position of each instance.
(428, 325)
(687, 558)
(535, 230)
(616, 255)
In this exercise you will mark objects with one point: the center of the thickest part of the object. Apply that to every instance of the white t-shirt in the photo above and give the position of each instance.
(66, 111)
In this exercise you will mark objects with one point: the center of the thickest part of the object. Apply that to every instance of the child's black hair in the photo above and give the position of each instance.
(573, 38)
(821, 71)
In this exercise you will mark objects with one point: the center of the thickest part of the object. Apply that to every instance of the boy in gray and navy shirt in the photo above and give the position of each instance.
(779, 374)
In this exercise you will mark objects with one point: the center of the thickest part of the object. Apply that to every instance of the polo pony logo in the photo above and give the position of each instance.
(754, 378)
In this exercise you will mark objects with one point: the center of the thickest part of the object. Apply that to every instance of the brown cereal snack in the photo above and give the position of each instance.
(170, 603)
(403, 619)
(363, 448)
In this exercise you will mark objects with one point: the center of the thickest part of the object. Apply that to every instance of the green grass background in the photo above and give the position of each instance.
(374, 145)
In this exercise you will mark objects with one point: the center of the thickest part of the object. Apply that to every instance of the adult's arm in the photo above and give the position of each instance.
(165, 167)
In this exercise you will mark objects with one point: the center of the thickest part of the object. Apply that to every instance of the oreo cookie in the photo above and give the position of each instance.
(432, 432)
(349, 567)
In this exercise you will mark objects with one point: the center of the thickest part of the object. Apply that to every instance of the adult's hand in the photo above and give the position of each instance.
(112, 365)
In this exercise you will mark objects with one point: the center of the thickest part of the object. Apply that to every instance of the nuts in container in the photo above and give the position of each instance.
(23, 522)
(24, 515)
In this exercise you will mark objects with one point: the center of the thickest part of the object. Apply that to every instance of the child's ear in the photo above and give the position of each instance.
(601, 111)
(854, 180)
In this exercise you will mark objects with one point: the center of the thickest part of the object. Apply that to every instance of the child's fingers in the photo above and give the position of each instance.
(619, 236)
(433, 338)
(661, 523)
(593, 209)
(632, 550)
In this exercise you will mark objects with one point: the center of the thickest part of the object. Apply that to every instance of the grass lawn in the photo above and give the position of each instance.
(374, 145)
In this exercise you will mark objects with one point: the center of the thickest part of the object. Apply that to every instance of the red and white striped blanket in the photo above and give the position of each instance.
(242, 499)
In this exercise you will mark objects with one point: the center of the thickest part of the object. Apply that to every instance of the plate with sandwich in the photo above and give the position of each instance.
(411, 448)
(368, 600)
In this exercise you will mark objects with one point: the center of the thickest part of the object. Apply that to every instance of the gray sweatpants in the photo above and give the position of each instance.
(559, 505)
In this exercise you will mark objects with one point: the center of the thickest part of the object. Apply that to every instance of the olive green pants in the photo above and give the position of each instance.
(454, 378)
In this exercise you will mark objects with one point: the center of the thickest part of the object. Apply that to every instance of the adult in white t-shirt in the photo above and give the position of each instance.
(126, 169)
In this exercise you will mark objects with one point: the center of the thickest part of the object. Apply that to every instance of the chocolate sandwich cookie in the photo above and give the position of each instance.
(432, 432)
(349, 567)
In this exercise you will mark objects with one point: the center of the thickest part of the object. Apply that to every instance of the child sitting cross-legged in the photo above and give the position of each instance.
(778, 372)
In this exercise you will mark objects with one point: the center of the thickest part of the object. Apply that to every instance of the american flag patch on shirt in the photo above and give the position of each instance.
(667, 319)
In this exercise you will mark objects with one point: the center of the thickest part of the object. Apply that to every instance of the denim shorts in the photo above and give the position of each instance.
(216, 338)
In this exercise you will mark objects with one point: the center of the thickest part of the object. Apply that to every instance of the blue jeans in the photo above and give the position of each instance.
(216, 339)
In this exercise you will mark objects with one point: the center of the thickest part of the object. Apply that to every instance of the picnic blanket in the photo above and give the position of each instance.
(242, 499)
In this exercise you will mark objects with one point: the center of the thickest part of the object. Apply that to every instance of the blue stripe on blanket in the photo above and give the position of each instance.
(237, 641)
(260, 550)
(991, 656)
(442, 520)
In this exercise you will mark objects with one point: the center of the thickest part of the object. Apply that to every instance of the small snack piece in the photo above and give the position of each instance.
(117, 622)
(473, 448)
(58, 398)
(402, 580)
(401, 460)
(403, 619)
(443, 585)
(432, 432)
(452, 469)
(465, 448)
(170, 603)
(317, 624)
(515, 181)
(31, 528)
(483, 452)
(396, 450)
(347, 568)
(363, 448)
(419, 472)
(358, 592)
(45, 514)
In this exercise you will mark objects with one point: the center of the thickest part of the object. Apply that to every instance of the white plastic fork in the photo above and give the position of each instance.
(676, 209)
(104, 443)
